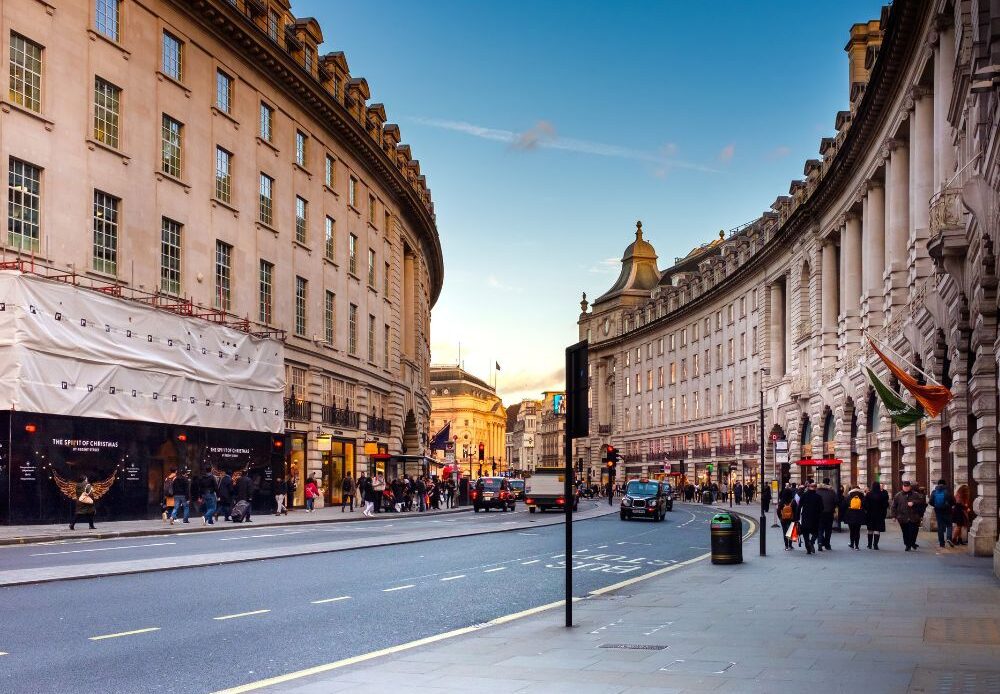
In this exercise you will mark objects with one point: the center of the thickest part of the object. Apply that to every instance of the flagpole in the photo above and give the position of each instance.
(903, 359)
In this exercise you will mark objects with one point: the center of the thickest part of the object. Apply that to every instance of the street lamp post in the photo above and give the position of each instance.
(763, 519)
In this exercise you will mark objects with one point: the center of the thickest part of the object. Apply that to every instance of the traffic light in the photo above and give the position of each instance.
(482, 450)
(613, 455)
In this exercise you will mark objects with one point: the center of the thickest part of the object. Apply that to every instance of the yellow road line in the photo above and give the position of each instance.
(241, 614)
(121, 633)
(326, 600)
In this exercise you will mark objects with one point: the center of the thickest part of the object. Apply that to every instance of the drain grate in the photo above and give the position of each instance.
(635, 646)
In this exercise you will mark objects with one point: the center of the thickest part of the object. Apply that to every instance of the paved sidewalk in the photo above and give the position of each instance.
(840, 621)
(25, 534)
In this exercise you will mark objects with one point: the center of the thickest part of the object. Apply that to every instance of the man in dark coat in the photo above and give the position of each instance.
(906, 507)
(876, 503)
(829, 497)
(244, 492)
(738, 492)
(226, 491)
(208, 488)
(942, 501)
(765, 498)
(854, 515)
(182, 496)
(786, 500)
(810, 514)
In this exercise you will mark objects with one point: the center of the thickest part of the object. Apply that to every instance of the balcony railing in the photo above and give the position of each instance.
(728, 449)
(676, 455)
(340, 417)
(604, 429)
(379, 425)
(750, 447)
(299, 410)
(702, 452)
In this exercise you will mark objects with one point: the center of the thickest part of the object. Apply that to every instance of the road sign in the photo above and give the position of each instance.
(781, 445)
(781, 457)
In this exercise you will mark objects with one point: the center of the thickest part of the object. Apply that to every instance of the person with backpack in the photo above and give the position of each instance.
(226, 491)
(854, 515)
(347, 492)
(875, 504)
(942, 501)
(907, 508)
(960, 518)
(168, 494)
(182, 496)
(787, 511)
(810, 517)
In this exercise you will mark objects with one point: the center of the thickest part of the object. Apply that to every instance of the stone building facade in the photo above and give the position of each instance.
(205, 153)
(477, 416)
(522, 432)
(891, 233)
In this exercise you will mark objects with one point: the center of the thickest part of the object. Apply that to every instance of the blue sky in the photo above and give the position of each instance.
(547, 129)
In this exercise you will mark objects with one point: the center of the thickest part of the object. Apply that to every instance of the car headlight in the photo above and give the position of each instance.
(627, 501)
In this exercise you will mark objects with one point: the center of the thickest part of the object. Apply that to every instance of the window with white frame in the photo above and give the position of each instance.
(173, 56)
(266, 122)
(352, 255)
(170, 138)
(170, 256)
(223, 92)
(105, 251)
(107, 104)
(301, 207)
(107, 18)
(223, 175)
(265, 292)
(300, 148)
(386, 335)
(352, 329)
(329, 172)
(329, 316)
(371, 338)
(223, 276)
(265, 207)
(25, 73)
(301, 297)
(329, 239)
(24, 197)
(371, 268)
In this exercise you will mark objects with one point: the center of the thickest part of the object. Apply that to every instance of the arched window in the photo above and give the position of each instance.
(807, 434)
(874, 415)
(828, 427)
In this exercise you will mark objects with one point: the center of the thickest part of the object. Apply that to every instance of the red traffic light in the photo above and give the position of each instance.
(482, 445)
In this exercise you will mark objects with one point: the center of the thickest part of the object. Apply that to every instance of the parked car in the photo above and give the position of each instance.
(645, 498)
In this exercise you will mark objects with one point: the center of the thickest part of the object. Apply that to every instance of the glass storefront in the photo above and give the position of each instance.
(126, 463)
(337, 463)
(296, 472)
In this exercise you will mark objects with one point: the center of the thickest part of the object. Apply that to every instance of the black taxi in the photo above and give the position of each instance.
(645, 498)
(516, 489)
(492, 492)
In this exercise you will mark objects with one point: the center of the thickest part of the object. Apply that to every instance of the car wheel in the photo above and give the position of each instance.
(531, 509)
(476, 509)
(621, 514)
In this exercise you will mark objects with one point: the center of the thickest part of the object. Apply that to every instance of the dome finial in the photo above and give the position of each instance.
(583, 303)
(638, 231)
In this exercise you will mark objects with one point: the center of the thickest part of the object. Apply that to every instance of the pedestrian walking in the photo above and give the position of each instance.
(765, 499)
(787, 512)
(208, 489)
(347, 492)
(906, 507)
(168, 494)
(182, 496)
(960, 516)
(84, 506)
(738, 491)
(311, 492)
(749, 492)
(244, 492)
(226, 491)
(943, 501)
(829, 497)
(810, 516)
(875, 504)
(421, 492)
(280, 492)
(854, 515)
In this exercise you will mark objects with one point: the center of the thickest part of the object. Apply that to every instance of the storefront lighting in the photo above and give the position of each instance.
(30, 428)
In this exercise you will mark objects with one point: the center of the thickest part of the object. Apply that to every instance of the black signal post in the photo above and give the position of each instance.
(577, 425)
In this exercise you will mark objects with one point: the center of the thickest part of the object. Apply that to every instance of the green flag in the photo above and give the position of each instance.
(902, 414)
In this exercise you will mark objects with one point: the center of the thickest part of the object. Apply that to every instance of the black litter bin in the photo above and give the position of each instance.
(727, 539)
(706, 497)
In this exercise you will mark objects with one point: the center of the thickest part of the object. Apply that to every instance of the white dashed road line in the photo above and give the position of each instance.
(123, 633)
(240, 614)
(499, 568)
(102, 549)
(533, 561)
(452, 578)
(326, 600)
(390, 590)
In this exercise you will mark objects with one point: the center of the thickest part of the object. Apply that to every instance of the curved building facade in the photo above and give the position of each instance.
(890, 233)
(207, 155)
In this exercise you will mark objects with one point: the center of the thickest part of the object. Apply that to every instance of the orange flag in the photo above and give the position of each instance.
(932, 398)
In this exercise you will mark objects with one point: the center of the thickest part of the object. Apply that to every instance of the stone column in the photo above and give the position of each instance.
(851, 274)
(777, 329)
(897, 225)
(830, 300)
(921, 183)
(944, 69)
(873, 260)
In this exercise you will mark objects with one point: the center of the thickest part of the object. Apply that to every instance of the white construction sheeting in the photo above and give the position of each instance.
(72, 351)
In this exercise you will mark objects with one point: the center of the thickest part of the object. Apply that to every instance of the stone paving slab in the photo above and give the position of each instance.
(840, 621)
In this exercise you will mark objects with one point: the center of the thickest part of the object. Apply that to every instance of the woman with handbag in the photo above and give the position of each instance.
(84, 504)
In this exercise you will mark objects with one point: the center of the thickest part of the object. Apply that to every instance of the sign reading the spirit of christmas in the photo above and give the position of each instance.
(84, 445)
(228, 451)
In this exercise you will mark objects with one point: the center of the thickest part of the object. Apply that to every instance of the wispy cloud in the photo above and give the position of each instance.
(527, 384)
(779, 152)
(494, 283)
(608, 266)
(543, 135)
(726, 155)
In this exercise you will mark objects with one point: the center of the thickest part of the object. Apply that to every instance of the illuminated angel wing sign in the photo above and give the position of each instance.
(68, 487)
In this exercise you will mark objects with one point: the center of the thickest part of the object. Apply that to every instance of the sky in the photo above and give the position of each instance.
(546, 130)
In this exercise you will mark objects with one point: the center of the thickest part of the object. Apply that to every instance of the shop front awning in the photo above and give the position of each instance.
(820, 462)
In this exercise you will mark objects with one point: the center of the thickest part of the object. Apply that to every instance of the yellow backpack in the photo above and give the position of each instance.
(855, 504)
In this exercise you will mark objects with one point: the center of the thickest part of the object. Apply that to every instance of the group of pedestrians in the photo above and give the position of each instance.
(808, 512)
(713, 492)
(213, 495)
(405, 493)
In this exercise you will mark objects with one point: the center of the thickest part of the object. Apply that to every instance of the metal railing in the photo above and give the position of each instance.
(339, 416)
(299, 410)
(379, 425)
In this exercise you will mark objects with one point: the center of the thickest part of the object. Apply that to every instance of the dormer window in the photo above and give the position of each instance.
(309, 58)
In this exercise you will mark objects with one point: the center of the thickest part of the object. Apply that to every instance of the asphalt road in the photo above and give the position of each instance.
(263, 539)
(207, 628)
